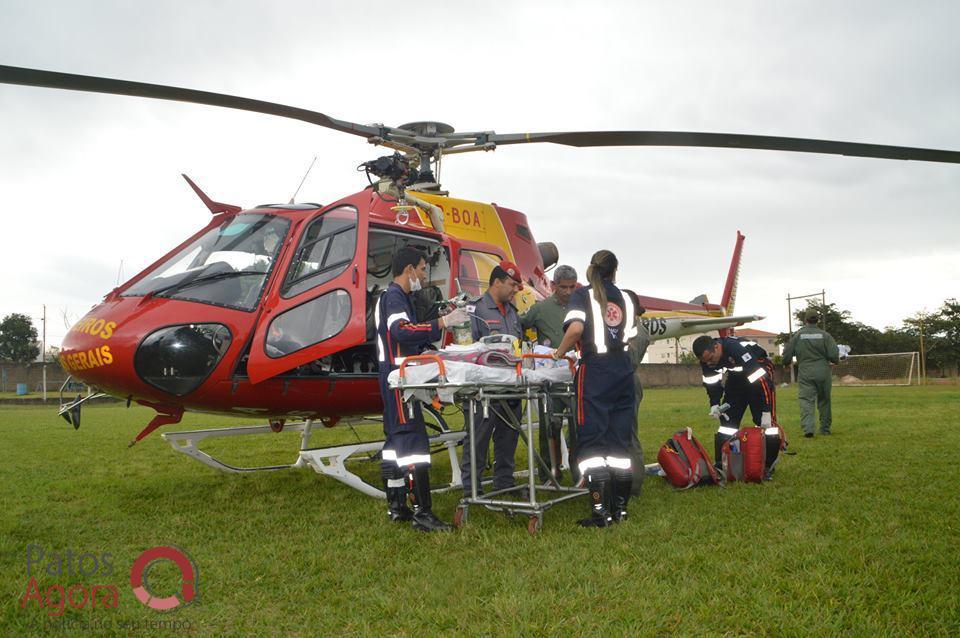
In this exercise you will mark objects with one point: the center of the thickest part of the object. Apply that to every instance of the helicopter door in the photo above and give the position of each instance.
(319, 307)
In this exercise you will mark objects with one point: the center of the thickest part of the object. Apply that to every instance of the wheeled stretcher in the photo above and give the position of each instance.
(480, 389)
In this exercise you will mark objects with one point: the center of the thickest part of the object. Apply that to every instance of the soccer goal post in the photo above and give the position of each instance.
(892, 368)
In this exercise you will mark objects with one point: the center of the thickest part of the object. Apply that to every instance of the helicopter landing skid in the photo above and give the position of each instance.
(328, 461)
(187, 442)
(331, 461)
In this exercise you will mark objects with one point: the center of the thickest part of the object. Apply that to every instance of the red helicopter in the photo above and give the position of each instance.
(268, 311)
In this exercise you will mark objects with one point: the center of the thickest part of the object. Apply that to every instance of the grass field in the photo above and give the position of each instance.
(858, 534)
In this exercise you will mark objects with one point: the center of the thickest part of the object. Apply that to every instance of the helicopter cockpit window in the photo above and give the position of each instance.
(226, 266)
(474, 271)
(325, 251)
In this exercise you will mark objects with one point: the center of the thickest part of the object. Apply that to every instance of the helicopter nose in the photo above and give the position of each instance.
(88, 347)
(177, 359)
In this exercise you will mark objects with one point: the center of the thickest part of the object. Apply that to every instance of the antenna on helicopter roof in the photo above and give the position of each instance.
(309, 168)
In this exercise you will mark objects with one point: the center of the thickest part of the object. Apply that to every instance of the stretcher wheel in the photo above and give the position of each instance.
(536, 522)
(460, 517)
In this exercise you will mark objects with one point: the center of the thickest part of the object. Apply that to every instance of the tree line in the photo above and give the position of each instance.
(18, 339)
(940, 329)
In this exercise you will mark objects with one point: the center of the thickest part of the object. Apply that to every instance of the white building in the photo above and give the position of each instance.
(672, 350)
(766, 340)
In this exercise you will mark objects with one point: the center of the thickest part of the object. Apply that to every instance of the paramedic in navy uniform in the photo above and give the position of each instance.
(405, 461)
(601, 318)
(749, 383)
(495, 314)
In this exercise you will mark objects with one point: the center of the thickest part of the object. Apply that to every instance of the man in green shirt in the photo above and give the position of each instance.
(546, 317)
(815, 350)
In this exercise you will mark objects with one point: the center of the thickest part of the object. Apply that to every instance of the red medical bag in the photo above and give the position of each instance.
(685, 462)
(745, 456)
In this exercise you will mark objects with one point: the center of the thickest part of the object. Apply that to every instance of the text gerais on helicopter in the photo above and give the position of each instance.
(268, 310)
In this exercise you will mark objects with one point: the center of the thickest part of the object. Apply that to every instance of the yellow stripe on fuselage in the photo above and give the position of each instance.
(476, 221)
(473, 221)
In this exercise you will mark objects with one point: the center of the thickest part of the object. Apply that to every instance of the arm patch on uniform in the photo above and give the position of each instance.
(746, 357)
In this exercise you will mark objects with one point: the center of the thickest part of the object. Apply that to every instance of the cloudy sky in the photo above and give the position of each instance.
(90, 181)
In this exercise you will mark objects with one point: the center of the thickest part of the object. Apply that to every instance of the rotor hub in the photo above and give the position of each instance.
(428, 129)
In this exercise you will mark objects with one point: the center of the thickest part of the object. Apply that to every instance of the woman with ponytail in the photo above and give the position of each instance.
(600, 319)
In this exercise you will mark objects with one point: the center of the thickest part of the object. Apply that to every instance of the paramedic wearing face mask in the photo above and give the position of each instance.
(405, 465)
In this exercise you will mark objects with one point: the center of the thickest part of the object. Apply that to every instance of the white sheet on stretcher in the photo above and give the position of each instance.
(461, 373)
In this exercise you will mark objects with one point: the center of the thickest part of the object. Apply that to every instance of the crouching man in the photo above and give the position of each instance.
(749, 383)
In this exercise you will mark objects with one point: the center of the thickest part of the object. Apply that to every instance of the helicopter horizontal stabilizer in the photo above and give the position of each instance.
(714, 323)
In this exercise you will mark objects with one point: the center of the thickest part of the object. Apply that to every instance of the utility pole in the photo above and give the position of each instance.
(789, 316)
(43, 353)
(823, 309)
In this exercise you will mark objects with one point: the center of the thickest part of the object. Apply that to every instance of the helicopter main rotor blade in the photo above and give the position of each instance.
(403, 139)
(727, 140)
(89, 83)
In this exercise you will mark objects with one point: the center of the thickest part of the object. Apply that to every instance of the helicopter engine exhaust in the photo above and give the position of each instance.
(549, 254)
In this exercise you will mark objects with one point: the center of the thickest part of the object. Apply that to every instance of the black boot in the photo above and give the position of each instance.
(423, 518)
(772, 445)
(396, 490)
(621, 488)
(718, 441)
(598, 486)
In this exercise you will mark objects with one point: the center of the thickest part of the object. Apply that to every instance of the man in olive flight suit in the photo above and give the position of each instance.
(815, 350)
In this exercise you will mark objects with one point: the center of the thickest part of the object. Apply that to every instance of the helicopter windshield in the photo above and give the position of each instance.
(226, 266)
